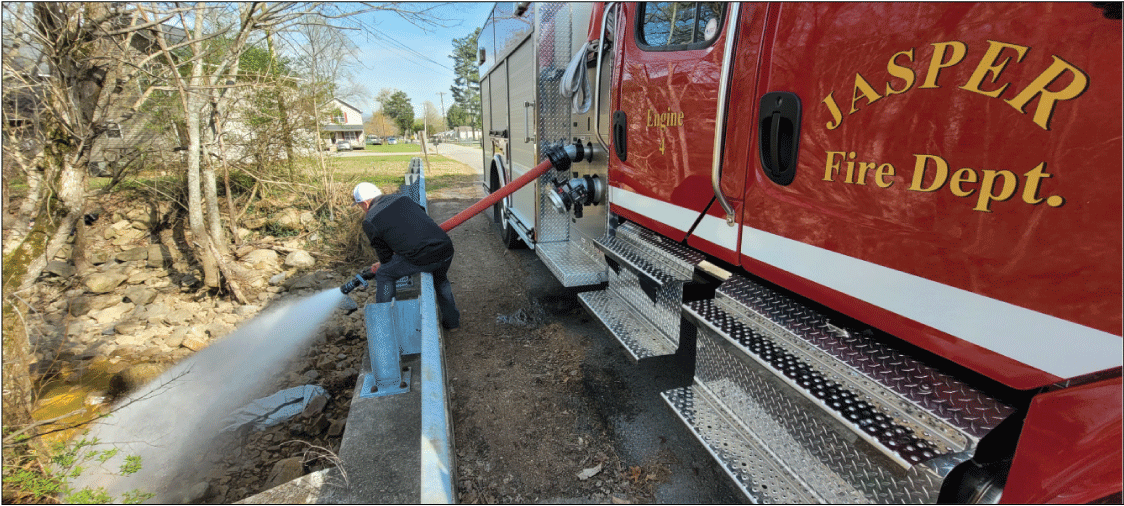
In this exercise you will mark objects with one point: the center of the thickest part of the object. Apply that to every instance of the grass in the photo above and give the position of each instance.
(387, 171)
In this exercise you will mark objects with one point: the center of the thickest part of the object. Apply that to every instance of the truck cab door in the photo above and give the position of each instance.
(663, 113)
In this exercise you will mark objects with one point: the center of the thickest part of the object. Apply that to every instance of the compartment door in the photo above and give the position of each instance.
(958, 180)
(662, 122)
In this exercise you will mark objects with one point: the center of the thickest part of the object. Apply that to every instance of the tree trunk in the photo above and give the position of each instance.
(28, 208)
(210, 189)
(72, 193)
(194, 191)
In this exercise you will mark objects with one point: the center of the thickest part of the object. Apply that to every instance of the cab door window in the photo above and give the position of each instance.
(671, 26)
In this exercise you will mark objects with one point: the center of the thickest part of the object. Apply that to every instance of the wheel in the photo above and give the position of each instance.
(508, 237)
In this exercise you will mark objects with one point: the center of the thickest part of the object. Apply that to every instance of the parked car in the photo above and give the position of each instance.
(374, 141)
(392, 140)
(343, 146)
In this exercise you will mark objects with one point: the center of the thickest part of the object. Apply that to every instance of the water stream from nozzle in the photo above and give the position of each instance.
(172, 422)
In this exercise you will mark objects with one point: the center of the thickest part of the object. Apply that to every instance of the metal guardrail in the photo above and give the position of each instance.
(406, 327)
(437, 471)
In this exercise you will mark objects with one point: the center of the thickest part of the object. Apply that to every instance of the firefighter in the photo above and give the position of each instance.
(407, 241)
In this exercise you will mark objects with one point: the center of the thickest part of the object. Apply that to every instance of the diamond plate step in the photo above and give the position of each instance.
(646, 275)
(675, 259)
(845, 417)
(891, 374)
(573, 264)
(638, 336)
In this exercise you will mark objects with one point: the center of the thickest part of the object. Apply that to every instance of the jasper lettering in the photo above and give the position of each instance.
(1059, 82)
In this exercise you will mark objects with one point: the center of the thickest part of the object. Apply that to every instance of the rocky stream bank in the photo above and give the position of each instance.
(100, 333)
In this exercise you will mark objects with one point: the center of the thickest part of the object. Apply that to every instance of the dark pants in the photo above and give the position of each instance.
(398, 267)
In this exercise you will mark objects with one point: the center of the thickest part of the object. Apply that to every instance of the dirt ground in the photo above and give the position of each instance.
(543, 396)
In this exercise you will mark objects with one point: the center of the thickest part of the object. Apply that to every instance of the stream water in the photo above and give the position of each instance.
(171, 422)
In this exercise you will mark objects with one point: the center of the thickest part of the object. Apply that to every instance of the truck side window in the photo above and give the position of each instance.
(679, 25)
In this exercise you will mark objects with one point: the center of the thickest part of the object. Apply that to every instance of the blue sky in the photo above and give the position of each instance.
(424, 74)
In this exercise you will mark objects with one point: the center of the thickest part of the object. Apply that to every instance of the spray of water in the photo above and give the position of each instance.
(171, 422)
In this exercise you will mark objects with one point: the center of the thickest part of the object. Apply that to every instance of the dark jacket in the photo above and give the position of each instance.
(397, 224)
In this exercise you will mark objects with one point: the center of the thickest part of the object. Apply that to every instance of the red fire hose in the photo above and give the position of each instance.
(488, 201)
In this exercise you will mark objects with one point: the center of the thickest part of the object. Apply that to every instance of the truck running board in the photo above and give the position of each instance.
(570, 262)
(799, 410)
(641, 306)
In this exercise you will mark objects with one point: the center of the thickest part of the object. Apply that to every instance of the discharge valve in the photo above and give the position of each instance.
(576, 193)
(360, 280)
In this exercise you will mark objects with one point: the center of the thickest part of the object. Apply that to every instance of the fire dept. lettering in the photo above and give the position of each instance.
(663, 119)
(985, 80)
(931, 174)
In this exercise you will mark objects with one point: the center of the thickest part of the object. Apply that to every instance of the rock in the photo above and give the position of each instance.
(284, 471)
(247, 310)
(139, 277)
(132, 254)
(176, 338)
(194, 342)
(315, 406)
(217, 329)
(140, 295)
(299, 259)
(289, 218)
(255, 223)
(299, 283)
(194, 494)
(278, 278)
(134, 377)
(179, 316)
(318, 426)
(129, 327)
(112, 313)
(155, 256)
(97, 257)
(59, 268)
(154, 313)
(104, 301)
(307, 218)
(79, 306)
(262, 258)
(336, 429)
(100, 282)
(311, 375)
(189, 280)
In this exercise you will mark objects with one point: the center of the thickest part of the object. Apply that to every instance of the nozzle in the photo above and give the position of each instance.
(359, 281)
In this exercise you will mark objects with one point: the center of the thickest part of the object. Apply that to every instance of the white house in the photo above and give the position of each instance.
(346, 123)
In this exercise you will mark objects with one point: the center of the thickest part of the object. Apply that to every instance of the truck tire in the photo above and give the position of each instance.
(508, 236)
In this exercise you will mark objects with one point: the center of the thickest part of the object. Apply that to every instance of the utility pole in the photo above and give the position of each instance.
(441, 94)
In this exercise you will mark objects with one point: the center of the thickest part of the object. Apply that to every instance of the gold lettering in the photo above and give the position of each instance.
(1010, 182)
(938, 63)
(851, 168)
(863, 167)
(831, 167)
(867, 92)
(965, 175)
(836, 115)
(1049, 99)
(987, 66)
(884, 170)
(1034, 178)
(904, 73)
(919, 173)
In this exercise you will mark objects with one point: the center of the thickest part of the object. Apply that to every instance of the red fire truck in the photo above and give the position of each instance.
(887, 235)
